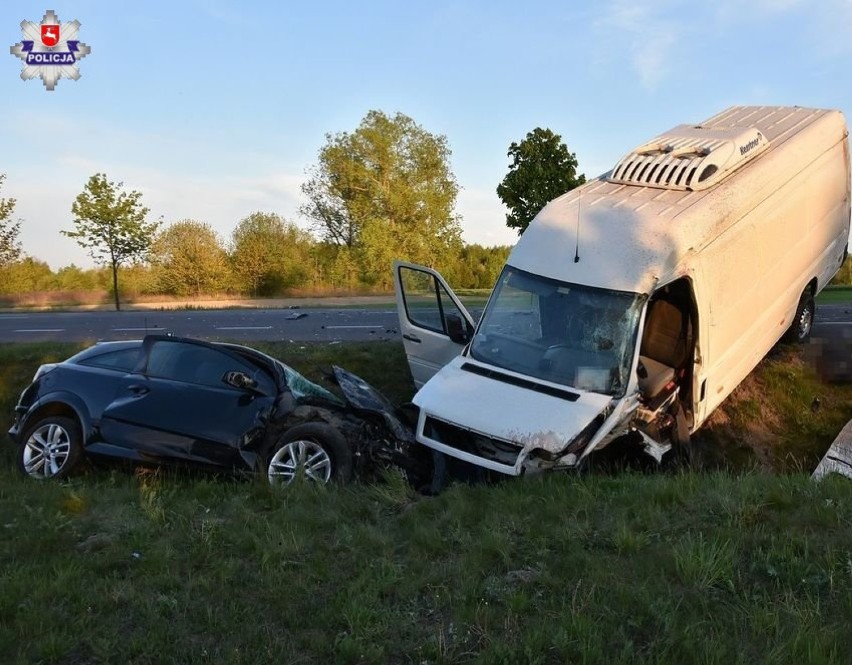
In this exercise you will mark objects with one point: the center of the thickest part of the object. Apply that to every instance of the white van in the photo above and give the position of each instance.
(633, 305)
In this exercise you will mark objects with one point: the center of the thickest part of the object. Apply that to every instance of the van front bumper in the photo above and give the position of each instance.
(485, 451)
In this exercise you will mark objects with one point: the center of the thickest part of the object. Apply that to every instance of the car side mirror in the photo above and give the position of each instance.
(457, 329)
(239, 380)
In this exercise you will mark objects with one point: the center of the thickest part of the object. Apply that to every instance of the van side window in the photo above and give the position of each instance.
(427, 303)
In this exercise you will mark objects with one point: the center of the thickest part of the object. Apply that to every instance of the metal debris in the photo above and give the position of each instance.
(838, 458)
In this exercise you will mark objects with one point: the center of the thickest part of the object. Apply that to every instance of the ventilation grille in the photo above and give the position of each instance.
(689, 158)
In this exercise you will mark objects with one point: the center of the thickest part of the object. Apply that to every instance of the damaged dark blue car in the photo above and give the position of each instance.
(170, 400)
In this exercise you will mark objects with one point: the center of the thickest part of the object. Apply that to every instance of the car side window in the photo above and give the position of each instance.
(121, 361)
(200, 365)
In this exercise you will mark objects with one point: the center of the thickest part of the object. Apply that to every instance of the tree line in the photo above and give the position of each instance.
(265, 256)
(384, 191)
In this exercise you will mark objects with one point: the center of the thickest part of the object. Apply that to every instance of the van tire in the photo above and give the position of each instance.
(803, 322)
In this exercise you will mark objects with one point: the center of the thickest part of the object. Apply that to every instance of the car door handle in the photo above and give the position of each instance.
(136, 389)
(411, 338)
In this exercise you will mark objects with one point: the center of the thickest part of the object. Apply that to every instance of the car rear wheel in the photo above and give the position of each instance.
(315, 452)
(51, 448)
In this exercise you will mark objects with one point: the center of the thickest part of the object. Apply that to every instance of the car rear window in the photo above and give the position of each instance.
(121, 361)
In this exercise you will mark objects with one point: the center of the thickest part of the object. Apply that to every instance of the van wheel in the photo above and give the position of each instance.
(800, 330)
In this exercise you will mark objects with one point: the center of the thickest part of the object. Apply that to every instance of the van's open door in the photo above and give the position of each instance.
(435, 325)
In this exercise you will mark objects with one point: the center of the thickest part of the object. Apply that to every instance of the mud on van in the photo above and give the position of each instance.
(633, 305)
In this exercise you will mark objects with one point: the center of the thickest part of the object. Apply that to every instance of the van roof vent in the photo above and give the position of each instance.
(689, 157)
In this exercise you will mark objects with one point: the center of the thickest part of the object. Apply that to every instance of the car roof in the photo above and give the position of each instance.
(104, 347)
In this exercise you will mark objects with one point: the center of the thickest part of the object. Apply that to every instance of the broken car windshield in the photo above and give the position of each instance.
(577, 336)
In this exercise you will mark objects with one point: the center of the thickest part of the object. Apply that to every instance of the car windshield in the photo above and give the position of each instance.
(573, 335)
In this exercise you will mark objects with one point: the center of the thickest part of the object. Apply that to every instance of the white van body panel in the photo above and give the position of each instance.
(633, 238)
(749, 241)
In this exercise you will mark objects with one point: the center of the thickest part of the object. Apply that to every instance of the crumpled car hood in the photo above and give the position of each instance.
(362, 396)
(504, 411)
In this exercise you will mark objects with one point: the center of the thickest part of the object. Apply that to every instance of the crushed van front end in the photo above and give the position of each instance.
(503, 422)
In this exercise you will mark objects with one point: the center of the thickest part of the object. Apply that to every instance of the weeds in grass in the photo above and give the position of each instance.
(703, 563)
(626, 539)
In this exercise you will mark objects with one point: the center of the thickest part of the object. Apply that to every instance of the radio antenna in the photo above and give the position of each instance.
(577, 238)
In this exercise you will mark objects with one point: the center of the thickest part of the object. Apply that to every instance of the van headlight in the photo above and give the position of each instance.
(577, 444)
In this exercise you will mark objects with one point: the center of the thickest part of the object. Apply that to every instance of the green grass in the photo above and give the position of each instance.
(835, 295)
(781, 418)
(160, 567)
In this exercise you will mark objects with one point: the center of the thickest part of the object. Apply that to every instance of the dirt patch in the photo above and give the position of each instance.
(783, 416)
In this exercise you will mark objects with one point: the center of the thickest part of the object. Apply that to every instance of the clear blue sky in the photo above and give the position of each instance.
(214, 109)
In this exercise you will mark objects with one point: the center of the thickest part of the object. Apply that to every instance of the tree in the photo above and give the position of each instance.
(188, 259)
(10, 247)
(386, 189)
(541, 169)
(26, 275)
(111, 224)
(269, 254)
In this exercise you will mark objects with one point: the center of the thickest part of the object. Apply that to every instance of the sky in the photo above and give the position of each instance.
(215, 109)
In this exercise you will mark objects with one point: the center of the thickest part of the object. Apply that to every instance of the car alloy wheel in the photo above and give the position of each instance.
(46, 451)
(300, 458)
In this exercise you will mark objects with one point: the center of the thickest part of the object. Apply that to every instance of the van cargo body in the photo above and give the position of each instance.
(632, 306)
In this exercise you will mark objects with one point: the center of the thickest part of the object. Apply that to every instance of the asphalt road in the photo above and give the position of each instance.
(321, 325)
(317, 325)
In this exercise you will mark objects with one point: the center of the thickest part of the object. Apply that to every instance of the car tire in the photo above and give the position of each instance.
(51, 448)
(803, 322)
(315, 451)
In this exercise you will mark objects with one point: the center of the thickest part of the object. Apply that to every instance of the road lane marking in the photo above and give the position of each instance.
(136, 329)
(35, 330)
(339, 327)
(243, 327)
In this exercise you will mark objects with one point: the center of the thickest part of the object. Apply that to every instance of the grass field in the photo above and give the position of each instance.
(158, 568)
(835, 295)
(718, 567)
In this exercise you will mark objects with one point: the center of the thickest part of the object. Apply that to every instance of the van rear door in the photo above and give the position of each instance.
(435, 325)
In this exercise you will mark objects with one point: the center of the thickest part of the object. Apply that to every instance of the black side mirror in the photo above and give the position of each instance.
(457, 329)
(239, 380)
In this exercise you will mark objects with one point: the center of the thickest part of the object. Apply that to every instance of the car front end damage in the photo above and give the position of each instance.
(374, 430)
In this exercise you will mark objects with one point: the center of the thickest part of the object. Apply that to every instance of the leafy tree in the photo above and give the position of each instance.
(25, 276)
(386, 189)
(541, 169)
(188, 259)
(111, 224)
(10, 248)
(477, 267)
(269, 254)
(74, 278)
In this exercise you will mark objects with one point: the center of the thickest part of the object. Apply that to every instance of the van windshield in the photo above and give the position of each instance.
(577, 336)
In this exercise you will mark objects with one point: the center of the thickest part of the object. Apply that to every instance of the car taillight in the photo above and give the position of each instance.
(42, 370)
